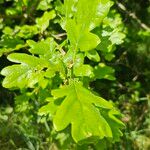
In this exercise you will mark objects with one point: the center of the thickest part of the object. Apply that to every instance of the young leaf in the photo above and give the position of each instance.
(45, 47)
(43, 22)
(80, 38)
(93, 55)
(83, 70)
(27, 31)
(69, 7)
(50, 108)
(10, 43)
(91, 13)
(104, 72)
(80, 109)
(87, 16)
(44, 5)
(28, 73)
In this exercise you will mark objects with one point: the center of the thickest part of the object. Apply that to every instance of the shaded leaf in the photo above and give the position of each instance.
(9, 44)
(43, 22)
(93, 55)
(104, 72)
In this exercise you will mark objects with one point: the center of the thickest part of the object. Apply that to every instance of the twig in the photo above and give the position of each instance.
(59, 36)
(133, 16)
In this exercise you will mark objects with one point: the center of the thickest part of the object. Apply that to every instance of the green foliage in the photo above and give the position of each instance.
(60, 66)
(87, 104)
(80, 108)
(28, 73)
(43, 22)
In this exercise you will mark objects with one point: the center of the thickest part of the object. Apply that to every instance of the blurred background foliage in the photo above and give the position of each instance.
(128, 23)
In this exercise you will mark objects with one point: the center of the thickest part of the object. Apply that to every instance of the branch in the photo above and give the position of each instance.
(133, 16)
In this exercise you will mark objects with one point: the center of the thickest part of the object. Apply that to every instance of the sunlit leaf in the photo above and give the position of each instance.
(80, 109)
